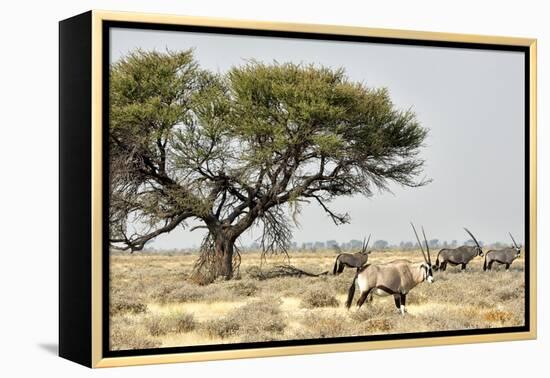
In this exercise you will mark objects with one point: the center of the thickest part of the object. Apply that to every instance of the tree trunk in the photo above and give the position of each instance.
(223, 254)
(217, 257)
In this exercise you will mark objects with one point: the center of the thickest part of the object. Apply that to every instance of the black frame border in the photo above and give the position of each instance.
(75, 183)
(107, 25)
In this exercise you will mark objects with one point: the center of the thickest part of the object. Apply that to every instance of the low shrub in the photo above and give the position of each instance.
(121, 307)
(319, 297)
(130, 339)
(243, 289)
(161, 324)
(185, 292)
(225, 327)
(322, 326)
(126, 334)
(259, 320)
(497, 316)
(380, 325)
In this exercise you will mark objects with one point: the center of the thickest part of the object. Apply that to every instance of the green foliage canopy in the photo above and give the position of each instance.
(234, 149)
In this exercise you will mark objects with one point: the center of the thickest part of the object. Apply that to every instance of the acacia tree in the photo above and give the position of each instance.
(245, 148)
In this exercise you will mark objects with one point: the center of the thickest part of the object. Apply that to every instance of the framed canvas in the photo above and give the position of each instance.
(234, 189)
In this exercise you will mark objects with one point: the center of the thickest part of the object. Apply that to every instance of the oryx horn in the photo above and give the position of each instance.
(365, 246)
(515, 244)
(419, 243)
(427, 247)
(473, 237)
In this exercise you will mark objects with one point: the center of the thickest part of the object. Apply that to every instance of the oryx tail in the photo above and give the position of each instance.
(437, 258)
(336, 264)
(351, 291)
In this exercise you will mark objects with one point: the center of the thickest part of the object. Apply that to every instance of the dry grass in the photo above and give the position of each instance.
(154, 303)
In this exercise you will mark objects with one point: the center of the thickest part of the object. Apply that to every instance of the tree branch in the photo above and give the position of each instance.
(338, 219)
(138, 243)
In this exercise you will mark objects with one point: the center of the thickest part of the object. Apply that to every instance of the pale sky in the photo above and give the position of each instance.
(472, 101)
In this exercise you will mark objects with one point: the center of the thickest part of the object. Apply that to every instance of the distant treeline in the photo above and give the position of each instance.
(349, 246)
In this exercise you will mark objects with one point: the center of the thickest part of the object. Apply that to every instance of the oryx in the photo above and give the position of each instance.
(396, 278)
(458, 256)
(502, 256)
(351, 260)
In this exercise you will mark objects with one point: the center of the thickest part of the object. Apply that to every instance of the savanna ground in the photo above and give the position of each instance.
(154, 302)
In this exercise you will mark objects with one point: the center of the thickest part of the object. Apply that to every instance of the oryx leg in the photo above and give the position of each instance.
(507, 266)
(400, 300)
(463, 267)
(443, 266)
(363, 297)
(397, 300)
(490, 265)
(340, 268)
(403, 301)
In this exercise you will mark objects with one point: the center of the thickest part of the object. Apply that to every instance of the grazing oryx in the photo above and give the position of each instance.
(351, 260)
(458, 256)
(396, 278)
(502, 256)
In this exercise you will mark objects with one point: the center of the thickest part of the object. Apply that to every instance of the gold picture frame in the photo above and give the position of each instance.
(82, 269)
